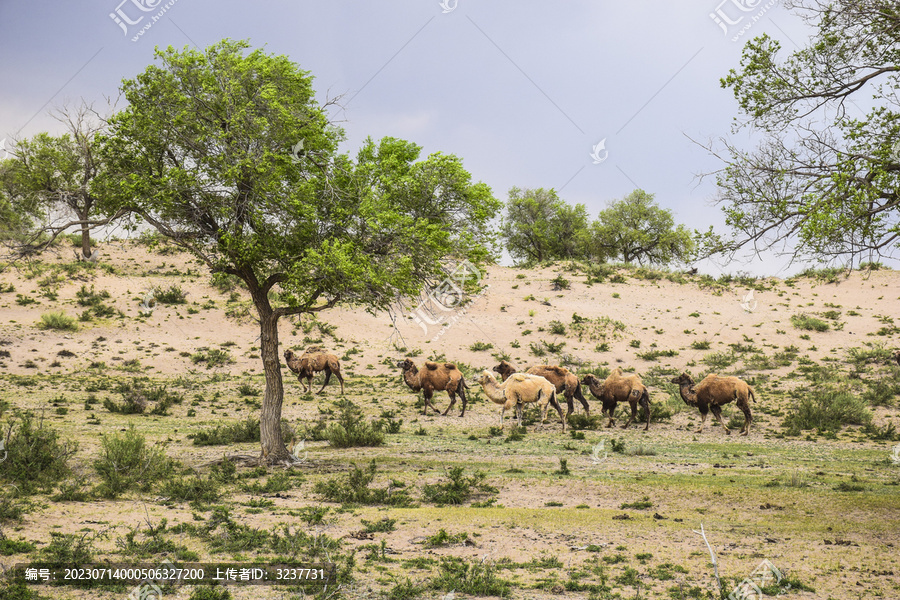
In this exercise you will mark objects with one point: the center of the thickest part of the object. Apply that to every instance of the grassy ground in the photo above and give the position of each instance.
(454, 504)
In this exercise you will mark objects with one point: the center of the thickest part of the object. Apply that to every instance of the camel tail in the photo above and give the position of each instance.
(751, 394)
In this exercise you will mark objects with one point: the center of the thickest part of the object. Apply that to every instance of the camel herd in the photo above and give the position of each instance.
(542, 385)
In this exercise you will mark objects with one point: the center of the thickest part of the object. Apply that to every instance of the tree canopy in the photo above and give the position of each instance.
(540, 226)
(203, 153)
(635, 228)
(50, 184)
(825, 180)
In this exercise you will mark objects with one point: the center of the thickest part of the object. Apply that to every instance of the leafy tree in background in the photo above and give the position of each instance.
(825, 181)
(637, 229)
(203, 153)
(50, 180)
(539, 226)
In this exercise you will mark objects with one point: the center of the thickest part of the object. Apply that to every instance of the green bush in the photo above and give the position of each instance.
(171, 295)
(36, 458)
(57, 320)
(458, 488)
(206, 592)
(126, 461)
(352, 430)
(827, 410)
(191, 489)
(137, 397)
(212, 358)
(354, 489)
(808, 323)
(241, 432)
(474, 578)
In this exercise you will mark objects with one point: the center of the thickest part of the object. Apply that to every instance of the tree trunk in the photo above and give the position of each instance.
(273, 449)
(85, 235)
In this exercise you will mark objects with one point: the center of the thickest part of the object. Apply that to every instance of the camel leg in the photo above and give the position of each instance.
(571, 405)
(462, 394)
(307, 388)
(452, 402)
(580, 395)
(327, 379)
(558, 408)
(645, 402)
(633, 404)
(519, 414)
(341, 379)
(717, 413)
(428, 394)
(704, 413)
(748, 418)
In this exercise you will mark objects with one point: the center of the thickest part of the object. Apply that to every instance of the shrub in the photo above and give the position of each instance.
(354, 488)
(206, 592)
(808, 323)
(474, 578)
(136, 397)
(557, 328)
(701, 345)
(241, 432)
(191, 489)
(352, 430)
(212, 358)
(36, 458)
(171, 295)
(57, 320)
(458, 488)
(480, 346)
(126, 461)
(827, 410)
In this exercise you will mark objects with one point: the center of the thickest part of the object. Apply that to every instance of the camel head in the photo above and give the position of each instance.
(689, 396)
(288, 355)
(591, 379)
(504, 369)
(683, 379)
(406, 365)
(487, 377)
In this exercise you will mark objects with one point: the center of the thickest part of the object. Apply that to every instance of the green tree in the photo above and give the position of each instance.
(539, 226)
(52, 177)
(637, 229)
(825, 179)
(208, 152)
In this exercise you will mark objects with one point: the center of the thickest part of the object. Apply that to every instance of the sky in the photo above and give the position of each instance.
(593, 99)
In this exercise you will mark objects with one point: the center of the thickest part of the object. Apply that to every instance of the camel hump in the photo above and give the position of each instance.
(450, 366)
(519, 376)
(431, 366)
(558, 370)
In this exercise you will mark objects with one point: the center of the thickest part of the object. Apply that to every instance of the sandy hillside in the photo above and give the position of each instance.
(822, 506)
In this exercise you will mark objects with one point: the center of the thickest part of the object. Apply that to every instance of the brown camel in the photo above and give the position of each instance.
(566, 382)
(619, 388)
(313, 360)
(435, 377)
(714, 392)
(896, 356)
